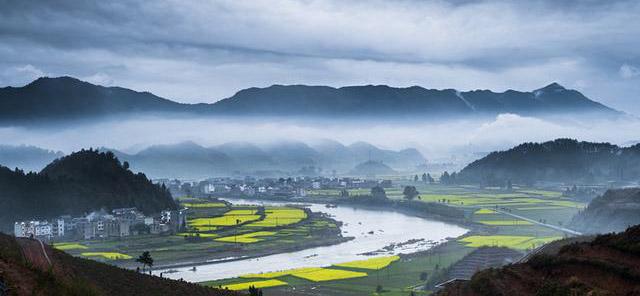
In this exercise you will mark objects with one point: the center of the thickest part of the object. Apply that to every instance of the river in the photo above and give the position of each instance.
(372, 230)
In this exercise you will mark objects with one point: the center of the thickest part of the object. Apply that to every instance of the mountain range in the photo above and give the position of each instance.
(65, 98)
(561, 160)
(193, 161)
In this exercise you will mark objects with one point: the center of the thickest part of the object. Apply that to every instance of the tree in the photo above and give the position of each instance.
(444, 179)
(410, 192)
(253, 291)
(344, 193)
(378, 192)
(424, 178)
(424, 276)
(415, 178)
(430, 179)
(125, 165)
(145, 259)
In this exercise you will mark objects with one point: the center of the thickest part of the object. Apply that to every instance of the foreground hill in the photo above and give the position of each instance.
(613, 211)
(608, 265)
(25, 270)
(561, 160)
(65, 98)
(82, 182)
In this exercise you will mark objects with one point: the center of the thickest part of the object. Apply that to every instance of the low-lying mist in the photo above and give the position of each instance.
(459, 140)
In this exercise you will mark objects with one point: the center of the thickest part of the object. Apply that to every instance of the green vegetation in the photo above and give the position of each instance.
(509, 241)
(513, 222)
(245, 238)
(204, 205)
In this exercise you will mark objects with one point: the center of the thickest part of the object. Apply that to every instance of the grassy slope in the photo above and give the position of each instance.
(608, 265)
(77, 276)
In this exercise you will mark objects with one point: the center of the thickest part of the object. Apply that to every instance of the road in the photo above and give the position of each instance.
(554, 227)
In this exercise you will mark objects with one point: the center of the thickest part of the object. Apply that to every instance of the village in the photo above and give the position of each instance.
(101, 224)
(290, 187)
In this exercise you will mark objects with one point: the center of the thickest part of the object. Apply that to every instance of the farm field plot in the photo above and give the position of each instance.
(257, 284)
(484, 212)
(373, 263)
(326, 274)
(69, 246)
(275, 217)
(107, 255)
(276, 274)
(229, 218)
(204, 205)
(512, 222)
(510, 241)
(246, 238)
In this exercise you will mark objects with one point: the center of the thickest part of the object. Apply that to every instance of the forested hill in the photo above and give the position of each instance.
(613, 211)
(561, 160)
(79, 183)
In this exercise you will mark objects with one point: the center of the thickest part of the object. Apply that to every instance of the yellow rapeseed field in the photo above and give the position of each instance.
(372, 263)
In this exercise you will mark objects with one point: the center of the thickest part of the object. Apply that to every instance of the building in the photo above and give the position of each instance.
(37, 229)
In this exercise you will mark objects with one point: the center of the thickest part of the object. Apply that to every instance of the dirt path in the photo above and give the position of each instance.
(35, 253)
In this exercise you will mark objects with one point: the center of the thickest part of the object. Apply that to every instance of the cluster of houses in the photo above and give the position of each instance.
(119, 223)
(266, 187)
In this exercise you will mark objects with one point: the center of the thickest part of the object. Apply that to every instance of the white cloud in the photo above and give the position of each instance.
(628, 71)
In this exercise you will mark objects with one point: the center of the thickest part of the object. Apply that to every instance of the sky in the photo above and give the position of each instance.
(203, 51)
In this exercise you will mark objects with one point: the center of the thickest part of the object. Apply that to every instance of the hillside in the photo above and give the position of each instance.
(561, 160)
(82, 182)
(24, 270)
(613, 211)
(608, 265)
(65, 98)
(372, 168)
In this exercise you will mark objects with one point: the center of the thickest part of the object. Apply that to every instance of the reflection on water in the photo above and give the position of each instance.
(373, 231)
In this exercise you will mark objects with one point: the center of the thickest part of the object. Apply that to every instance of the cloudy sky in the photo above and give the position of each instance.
(202, 51)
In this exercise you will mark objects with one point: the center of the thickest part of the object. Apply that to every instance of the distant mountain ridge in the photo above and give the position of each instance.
(193, 161)
(64, 98)
(561, 160)
(190, 160)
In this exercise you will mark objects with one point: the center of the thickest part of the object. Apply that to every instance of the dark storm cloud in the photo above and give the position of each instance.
(202, 51)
